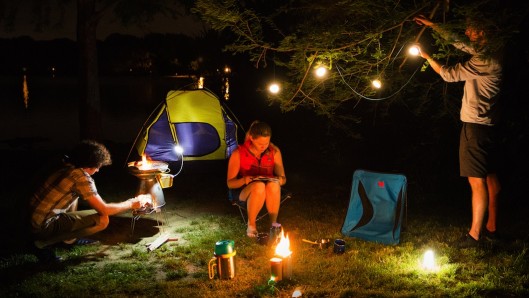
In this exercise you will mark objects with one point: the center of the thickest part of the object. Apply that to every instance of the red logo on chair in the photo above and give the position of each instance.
(380, 184)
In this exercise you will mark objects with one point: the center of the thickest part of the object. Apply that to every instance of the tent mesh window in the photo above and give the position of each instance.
(189, 132)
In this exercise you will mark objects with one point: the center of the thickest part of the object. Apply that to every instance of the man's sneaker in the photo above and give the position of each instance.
(86, 241)
(489, 236)
(46, 255)
(466, 241)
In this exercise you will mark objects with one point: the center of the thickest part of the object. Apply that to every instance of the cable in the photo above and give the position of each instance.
(181, 164)
(371, 98)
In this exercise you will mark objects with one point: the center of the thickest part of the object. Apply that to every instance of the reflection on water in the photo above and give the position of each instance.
(52, 107)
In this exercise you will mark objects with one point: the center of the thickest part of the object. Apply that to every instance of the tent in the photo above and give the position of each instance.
(376, 207)
(194, 119)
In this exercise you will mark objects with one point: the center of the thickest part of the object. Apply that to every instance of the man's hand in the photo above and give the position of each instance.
(141, 201)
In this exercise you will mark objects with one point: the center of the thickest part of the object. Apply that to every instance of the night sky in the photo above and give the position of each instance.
(185, 24)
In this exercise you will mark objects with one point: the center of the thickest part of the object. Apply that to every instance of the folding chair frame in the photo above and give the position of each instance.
(285, 195)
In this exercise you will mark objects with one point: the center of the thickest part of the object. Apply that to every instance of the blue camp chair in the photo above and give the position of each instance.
(377, 207)
(285, 195)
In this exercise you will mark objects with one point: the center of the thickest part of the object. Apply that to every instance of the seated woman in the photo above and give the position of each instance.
(256, 172)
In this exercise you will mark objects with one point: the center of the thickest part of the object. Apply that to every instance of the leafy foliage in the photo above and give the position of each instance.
(359, 41)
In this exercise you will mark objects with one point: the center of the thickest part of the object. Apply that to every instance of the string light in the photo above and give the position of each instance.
(414, 50)
(274, 88)
(371, 98)
(377, 84)
(321, 71)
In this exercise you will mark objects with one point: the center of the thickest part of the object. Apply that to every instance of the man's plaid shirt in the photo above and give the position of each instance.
(57, 193)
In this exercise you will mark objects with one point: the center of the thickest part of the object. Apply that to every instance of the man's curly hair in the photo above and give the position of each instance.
(90, 154)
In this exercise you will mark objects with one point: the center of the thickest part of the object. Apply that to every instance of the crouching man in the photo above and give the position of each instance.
(53, 207)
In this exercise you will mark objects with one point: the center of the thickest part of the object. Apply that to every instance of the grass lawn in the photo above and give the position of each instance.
(198, 214)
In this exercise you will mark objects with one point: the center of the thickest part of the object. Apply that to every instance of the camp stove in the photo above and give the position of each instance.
(153, 177)
(150, 173)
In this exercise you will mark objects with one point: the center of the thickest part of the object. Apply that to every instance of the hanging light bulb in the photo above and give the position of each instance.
(414, 50)
(274, 88)
(377, 84)
(321, 71)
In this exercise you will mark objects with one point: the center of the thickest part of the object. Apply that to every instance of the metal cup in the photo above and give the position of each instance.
(339, 246)
(223, 265)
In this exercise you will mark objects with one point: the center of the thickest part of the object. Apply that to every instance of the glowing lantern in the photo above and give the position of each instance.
(179, 149)
(428, 261)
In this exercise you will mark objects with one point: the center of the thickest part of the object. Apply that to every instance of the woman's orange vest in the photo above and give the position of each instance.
(252, 166)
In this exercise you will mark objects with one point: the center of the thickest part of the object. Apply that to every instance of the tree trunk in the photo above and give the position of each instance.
(90, 102)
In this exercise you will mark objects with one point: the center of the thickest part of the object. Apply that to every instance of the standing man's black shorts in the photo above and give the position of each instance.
(478, 150)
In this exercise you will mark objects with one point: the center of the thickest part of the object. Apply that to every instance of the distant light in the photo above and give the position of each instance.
(179, 149)
(227, 69)
(201, 83)
(414, 50)
(376, 83)
(321, 71)
(274, 88)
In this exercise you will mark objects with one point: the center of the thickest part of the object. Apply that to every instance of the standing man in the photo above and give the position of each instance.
(479, 114)
(53, 207)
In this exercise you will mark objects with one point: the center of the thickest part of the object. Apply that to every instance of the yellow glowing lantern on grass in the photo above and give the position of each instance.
(428, 261)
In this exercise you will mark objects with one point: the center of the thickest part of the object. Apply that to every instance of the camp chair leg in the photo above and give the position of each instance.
(285, 195)
(242, 211)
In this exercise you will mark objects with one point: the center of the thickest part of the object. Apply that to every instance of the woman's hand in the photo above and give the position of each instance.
(248, 180)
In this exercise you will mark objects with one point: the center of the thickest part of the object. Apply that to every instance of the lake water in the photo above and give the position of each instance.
(51, 118)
